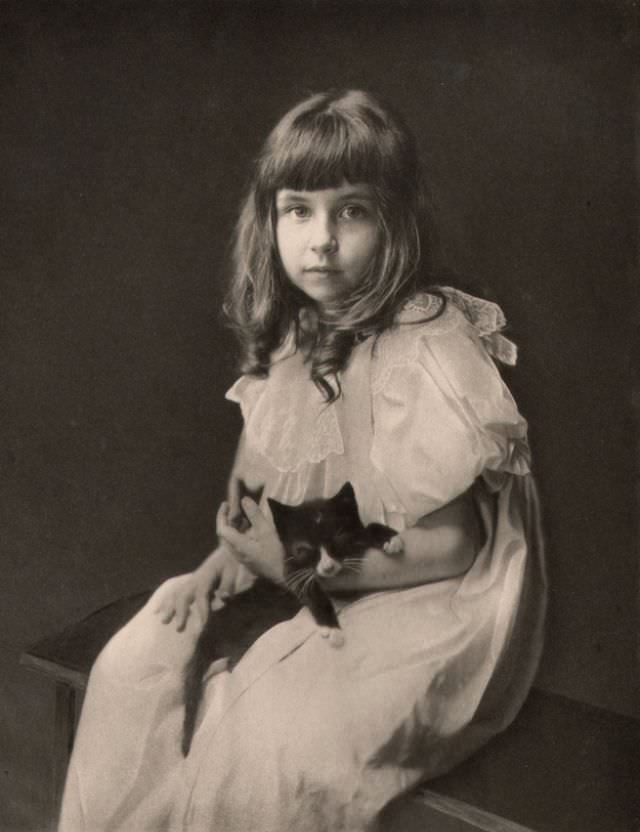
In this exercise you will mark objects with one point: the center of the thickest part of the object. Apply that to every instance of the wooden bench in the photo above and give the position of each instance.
(563, 766)
(66, 658)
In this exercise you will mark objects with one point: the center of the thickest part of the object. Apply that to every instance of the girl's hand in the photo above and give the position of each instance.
(220, 573)
(238, 489)
(236, 517)
(258, 548)
(177, 597)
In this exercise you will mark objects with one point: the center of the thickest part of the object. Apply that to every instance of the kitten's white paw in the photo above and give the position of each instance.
(394, 546)
(336, 639)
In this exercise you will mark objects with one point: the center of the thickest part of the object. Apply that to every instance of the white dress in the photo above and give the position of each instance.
(308, 737)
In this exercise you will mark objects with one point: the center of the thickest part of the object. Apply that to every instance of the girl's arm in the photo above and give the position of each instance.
(220, 573)
(441, 545)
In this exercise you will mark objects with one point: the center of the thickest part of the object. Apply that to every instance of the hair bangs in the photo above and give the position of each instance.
(323, 151)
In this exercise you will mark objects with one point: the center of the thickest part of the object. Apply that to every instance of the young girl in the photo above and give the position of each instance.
(355, 368)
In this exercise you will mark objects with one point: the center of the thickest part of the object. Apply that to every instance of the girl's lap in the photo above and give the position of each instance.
(294, 694)
(395, 645)
(351, 726)
(380, 630)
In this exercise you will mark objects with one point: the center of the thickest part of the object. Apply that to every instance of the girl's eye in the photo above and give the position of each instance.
(353, 212)
(300, 212)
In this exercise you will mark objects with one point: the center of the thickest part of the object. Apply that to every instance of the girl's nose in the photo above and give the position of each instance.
(323, 238)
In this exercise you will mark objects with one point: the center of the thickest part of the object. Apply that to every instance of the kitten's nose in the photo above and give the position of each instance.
(327, 565)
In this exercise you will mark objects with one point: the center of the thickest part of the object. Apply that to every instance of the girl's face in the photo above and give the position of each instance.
(326, 238)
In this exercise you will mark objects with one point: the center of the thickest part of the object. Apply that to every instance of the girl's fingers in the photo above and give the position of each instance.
(182, 611)
(226, 530)
(165, 608)
(234, 514)
(216, 603)
(166, 614)
(262, 529)
(236, 539)
(259, 523)
(202, 605)
(257, 519)
(227, 585)
(222, 516)
(164, 597)
(238, 582)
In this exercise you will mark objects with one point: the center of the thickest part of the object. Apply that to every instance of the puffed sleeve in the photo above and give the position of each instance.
(246, 392)
(442, 416)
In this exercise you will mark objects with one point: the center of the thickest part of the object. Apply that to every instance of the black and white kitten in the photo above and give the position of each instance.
(320, 538)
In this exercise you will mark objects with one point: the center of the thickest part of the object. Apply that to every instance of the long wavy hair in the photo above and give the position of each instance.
(325, 140)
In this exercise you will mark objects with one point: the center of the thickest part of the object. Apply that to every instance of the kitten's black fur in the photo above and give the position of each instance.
(324, 535)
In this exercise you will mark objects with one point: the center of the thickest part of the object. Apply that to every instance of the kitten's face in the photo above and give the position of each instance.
(301, 554)
(315, 534)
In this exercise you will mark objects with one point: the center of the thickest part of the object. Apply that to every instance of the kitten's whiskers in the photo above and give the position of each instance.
(298, 579)
(306, 584)
(352, 564)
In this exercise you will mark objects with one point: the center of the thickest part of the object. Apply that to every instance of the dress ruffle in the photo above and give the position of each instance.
(274, 412)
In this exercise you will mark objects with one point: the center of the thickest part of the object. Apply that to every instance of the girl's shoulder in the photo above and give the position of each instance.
(446, 311)
(442, 413)
(444, 326)
(446, 308)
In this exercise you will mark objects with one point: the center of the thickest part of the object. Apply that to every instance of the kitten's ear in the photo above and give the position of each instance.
(346, 496)
(346, 492)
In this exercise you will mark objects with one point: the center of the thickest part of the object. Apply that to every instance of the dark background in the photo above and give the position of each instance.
(126, 130)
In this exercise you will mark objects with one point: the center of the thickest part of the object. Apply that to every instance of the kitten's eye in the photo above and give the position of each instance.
(303, 552)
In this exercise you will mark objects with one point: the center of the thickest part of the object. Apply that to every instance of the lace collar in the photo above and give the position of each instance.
(486, 317)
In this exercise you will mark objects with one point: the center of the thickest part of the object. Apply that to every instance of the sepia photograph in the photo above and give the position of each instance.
(319, 416)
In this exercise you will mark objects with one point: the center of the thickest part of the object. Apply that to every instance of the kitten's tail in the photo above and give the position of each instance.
(193, 675)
